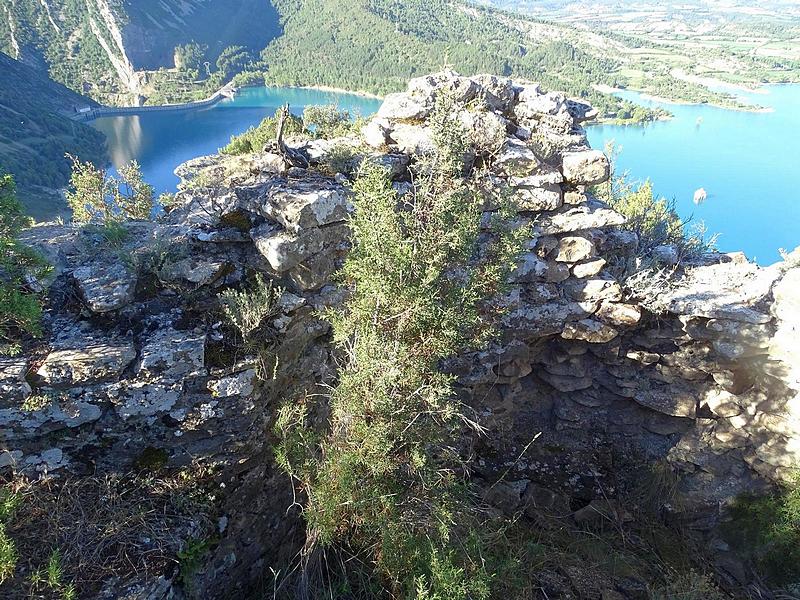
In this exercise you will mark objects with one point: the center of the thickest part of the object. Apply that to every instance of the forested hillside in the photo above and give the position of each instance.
(376, 45)
(104, 48)
(130, 52)
(36, 133)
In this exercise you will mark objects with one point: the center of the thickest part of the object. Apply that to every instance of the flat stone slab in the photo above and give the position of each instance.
(732, 290)
(91, 363)
(105, 287)
(592, 215)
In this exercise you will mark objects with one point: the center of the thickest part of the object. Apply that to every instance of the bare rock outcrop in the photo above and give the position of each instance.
(138, 357)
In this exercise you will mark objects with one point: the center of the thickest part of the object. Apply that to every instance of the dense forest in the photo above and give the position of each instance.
(377, 45)
(36, 131)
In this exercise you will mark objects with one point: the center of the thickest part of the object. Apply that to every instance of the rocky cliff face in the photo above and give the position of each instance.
(102, 47)
(138, 359)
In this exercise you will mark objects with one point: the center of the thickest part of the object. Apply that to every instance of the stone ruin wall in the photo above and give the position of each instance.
(136, 358)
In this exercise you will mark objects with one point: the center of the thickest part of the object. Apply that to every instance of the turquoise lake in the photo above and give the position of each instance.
(160, 141)
(749, 163)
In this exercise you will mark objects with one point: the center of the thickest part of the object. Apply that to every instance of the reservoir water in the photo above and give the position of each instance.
(160, 141)
(748, 163)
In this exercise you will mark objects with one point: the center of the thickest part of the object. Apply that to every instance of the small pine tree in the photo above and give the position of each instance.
(386, 476)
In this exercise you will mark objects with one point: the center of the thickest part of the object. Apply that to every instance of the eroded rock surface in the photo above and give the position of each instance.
(139, 356)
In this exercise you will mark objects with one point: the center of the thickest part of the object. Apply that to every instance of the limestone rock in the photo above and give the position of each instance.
(238, 384)
(592, 215)
(588, 268)
(13, 387)
(590, 331)
(285, 250)
(675, 401)
(427, 87)
(724, 291)
(486, 130)
(588, 167)
(572, 249)
(314, 272)
(547, 196)
(594, 289)
(566, 383)
(532, 100)
(170, 355)
(666, 254)
(412, 139)
(105, 287)
(376, 132)
(194, 270)
(300, 206)
(619, 314)
(516, 158)
(402, 106)
(143, 399)
(545, 319)
(498, 92)
(91, 363)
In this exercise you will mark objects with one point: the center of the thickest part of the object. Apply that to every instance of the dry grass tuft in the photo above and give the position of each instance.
(103, 527)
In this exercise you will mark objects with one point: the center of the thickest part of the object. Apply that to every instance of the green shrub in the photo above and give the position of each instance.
(768, 530)
(247, 309)
(255, 138)
(20, 305)
(96, 197)
(9, 556)
(387, 476)
(327, 121)
(342, 158)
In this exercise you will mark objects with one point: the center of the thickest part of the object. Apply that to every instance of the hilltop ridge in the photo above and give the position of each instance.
(620, 424)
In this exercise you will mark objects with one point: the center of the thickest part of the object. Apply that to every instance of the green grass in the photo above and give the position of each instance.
(767, 529)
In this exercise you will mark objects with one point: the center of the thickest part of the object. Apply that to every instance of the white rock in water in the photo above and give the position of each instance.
(700, 196)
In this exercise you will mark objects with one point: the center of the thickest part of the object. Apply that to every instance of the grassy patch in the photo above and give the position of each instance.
(72, 535)
(767, 529)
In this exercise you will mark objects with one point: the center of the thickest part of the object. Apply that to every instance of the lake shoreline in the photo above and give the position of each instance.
(610, 90)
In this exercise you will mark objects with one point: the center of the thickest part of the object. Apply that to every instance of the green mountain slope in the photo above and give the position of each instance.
(104, 47)
(376, 45)
(36, 132)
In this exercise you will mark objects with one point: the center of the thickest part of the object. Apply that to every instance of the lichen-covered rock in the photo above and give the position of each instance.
(727, 290)
(171, 355)
(142, 399)
(412, 139)
(304, 205)
(13, 386)
(592, 215)
(402, 106)
(589, 330)
(238, 384)
(572, 249)
(105, 286)
(516, 158)
(90, 363)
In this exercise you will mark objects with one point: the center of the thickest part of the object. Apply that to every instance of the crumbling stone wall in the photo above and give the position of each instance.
(137, 357)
